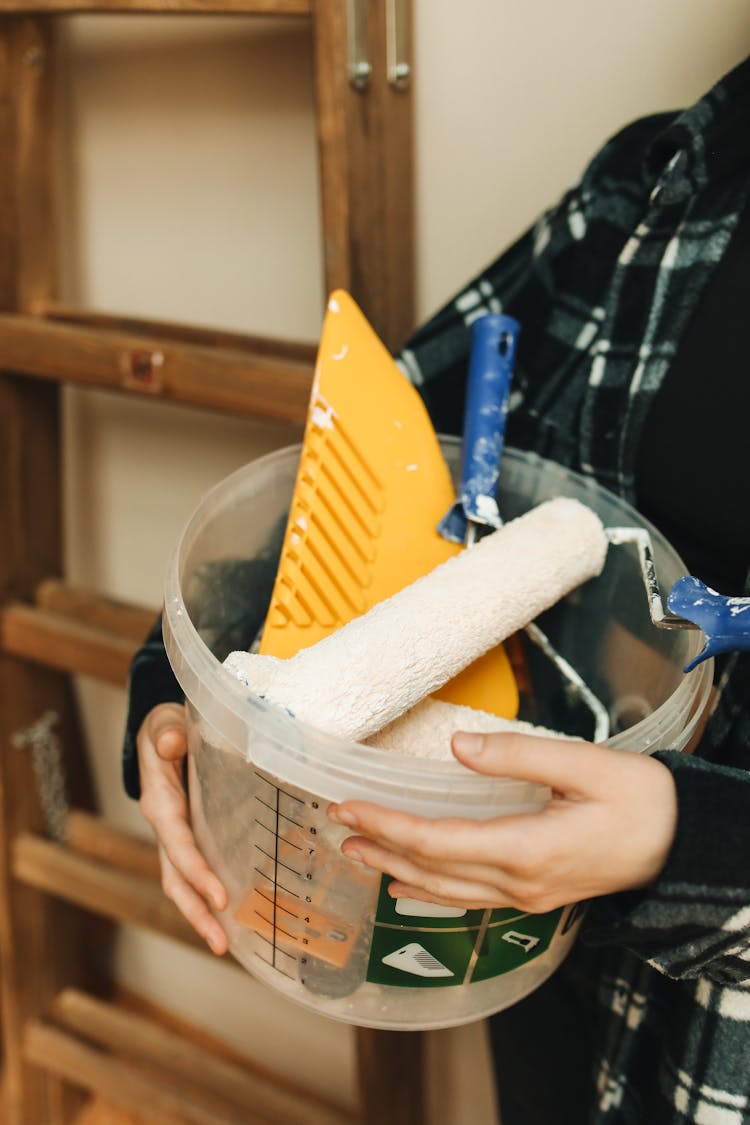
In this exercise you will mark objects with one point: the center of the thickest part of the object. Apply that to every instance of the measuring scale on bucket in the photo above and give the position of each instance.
(293, 907)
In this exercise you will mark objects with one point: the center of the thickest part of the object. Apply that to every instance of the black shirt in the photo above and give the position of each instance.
(693, 463)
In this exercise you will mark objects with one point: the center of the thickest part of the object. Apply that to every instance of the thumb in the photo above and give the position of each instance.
(560, 763)
(167, 729)
(171, 744)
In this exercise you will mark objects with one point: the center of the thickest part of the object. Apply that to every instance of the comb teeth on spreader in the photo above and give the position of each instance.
(334, 523)
(371, 487)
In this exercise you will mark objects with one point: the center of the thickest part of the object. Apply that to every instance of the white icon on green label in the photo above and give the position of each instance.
(526, 941)
(425, 945)
(414, 908)
(414, 958)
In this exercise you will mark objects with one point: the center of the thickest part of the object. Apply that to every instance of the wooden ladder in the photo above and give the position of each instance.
(60, 1036)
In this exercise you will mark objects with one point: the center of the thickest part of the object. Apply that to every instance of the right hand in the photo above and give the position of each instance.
(186, 878)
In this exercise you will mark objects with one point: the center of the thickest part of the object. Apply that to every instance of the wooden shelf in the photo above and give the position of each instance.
(90, 835)
(75, 631)
(57, 642)
(140, 1039)
(268, 379)
(116, 875)
(169, 1100)
(173, 7)
(112, 615)
(94, 886)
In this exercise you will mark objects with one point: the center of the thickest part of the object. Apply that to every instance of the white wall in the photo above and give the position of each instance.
(514, 98)
(191, 194)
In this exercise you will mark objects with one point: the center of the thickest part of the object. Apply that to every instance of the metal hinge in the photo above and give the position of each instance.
(397, 43)
(359, 65)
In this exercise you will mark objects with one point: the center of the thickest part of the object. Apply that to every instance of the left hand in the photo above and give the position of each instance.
(186, 877)
(608, 827)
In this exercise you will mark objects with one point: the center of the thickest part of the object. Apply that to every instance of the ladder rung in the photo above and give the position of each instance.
(242, 1083)
(257, 384)
(60, 642)
(92, 836)
(88, 607)
(123, 1083)
(170, 7)
(199, 335)
(98, 887)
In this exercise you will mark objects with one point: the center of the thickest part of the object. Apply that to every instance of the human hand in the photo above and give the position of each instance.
(608, 827)
(186, 878)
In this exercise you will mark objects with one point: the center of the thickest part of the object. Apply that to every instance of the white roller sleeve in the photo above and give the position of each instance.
(362, 677)
(426, 730)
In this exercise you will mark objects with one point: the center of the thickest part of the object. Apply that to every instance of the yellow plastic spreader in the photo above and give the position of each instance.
(371, 488)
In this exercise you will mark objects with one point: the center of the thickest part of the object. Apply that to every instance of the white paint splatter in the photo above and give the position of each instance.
(323, 414)
(315, 382)
(487, 508)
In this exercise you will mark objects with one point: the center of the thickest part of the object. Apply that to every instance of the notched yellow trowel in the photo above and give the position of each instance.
(371, 488)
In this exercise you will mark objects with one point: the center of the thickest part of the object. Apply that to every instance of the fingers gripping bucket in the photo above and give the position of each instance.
(319, 928)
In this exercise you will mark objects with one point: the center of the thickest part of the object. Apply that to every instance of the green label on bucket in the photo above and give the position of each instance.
(422, 945)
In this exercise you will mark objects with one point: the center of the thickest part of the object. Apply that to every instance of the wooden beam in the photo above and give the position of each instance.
(97, 610)
(259, 385)
(42, 940)
(269, 1096)
(90, 835)
(201, 336)
(399, 1101)
(95, 886)
(400, 1055)
(28, 145)
(75, 630)
(172, 7)
(366, 171)
(123, 1083)
(58, 642)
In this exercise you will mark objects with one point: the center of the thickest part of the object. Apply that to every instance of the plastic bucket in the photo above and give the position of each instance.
(311, 924)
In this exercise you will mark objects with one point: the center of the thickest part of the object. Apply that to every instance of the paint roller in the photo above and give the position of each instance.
(364, 676)
(427, 729)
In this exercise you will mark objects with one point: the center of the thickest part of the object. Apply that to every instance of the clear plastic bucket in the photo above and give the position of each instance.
(319, 928)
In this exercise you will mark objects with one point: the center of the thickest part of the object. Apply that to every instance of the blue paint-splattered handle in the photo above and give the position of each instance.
(493, 352)
(724, 620)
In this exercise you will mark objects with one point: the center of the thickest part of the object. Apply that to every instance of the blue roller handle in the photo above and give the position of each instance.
(493, 353)
(724, 620)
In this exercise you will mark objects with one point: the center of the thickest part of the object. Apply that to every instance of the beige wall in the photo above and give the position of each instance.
(191, 194)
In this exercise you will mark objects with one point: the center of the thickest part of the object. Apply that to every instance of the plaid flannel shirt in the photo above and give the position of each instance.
(604, 286)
